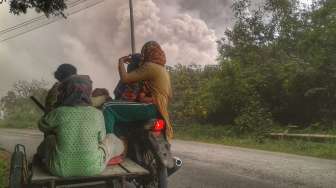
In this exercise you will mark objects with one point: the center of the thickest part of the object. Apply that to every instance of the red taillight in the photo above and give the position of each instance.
(159, 125)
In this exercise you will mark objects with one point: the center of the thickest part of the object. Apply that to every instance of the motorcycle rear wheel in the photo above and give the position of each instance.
(158, 177)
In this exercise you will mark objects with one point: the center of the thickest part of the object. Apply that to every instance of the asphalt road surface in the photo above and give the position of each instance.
(216, 166)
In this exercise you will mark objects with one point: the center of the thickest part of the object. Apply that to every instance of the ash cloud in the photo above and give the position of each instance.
(216, 13)
(94, 39)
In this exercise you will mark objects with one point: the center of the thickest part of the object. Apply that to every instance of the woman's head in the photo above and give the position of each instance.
(64, 71)
(152, 52)
(75, 91)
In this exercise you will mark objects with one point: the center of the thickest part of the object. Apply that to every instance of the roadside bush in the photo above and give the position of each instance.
(253, 120)
(224, 95)
(276, 66)
(4, 168)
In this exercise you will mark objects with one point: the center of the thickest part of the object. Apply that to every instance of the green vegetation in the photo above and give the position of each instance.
(51, 7)
(225, 136)
(19, 111)
(4, 168)
(277, 67)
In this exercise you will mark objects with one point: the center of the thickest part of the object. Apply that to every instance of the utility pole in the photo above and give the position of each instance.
(132, 26)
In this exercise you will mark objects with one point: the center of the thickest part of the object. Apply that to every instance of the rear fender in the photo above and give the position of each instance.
(161, 148)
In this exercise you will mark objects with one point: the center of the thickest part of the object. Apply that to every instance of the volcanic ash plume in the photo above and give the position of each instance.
(95, 38)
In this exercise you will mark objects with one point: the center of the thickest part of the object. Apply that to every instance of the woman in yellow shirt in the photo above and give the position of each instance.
(156, 79)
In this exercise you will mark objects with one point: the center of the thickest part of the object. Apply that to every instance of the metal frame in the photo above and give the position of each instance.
(132, 26)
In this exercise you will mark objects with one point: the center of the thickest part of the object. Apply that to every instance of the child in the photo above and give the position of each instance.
(99, 97)
(129, 92)
(144, 95)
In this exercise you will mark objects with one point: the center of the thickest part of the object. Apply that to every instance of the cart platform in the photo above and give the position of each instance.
(126, 169)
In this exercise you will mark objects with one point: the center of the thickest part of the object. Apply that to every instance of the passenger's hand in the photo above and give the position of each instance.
(125, 59)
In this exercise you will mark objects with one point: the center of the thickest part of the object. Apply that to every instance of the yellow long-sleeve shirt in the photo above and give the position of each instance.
(159, 84)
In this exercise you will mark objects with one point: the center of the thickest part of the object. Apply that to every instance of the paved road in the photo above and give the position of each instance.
(216, 166)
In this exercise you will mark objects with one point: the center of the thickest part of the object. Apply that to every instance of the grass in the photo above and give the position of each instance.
(2, 173)
(18, 124)
(4, 168)
(312, 129)
(223, 135)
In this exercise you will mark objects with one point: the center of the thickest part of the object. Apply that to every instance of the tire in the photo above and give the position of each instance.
(158, 177)
(163, 177)
(16, 170)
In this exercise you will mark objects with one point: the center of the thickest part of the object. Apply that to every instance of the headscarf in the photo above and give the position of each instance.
(153, 53)
(75, 91)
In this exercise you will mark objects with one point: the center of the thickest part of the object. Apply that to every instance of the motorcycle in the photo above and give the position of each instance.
(149, 147)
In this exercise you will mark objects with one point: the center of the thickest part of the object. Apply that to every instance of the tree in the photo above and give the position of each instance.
(19, 110)
(287, 57)
(187, 82)
(48, 7)
(277, 65)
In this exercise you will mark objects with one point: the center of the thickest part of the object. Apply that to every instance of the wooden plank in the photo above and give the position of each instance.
(115, 170)
(132, 167)
(41, 176)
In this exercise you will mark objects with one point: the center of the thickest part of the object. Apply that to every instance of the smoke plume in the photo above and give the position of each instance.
(95, 38)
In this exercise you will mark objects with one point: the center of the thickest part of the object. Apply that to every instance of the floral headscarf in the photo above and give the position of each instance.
(75, 91)
(152, 52)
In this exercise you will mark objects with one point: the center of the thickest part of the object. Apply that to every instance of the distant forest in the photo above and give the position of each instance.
(277, 66)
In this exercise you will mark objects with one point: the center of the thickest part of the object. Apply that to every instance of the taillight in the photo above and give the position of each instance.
(159, 125)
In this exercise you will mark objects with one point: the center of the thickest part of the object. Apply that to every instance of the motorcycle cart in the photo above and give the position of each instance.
(23, 175)
(146, 166)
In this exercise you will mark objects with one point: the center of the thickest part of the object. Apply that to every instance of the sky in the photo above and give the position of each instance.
(95, 38)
